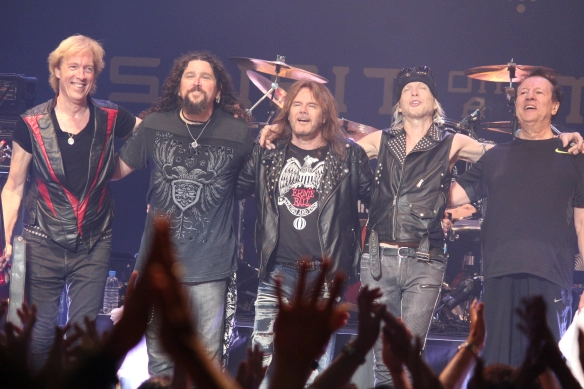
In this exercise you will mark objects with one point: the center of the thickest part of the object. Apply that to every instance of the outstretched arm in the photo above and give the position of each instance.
(467, 149)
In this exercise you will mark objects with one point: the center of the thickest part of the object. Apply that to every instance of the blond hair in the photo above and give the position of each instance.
(74, 45)
(398, 117)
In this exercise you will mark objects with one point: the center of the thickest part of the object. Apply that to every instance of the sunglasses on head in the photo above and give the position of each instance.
(407, 72)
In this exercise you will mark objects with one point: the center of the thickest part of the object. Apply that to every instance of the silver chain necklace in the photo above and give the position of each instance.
(194, 143)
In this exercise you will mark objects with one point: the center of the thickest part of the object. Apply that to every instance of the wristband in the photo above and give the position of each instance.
(350, 351)
(470, 347)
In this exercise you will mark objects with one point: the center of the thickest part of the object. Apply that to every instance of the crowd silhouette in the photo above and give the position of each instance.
(302, 330)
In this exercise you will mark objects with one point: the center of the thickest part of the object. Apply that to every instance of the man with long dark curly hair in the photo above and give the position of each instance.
(194, 138)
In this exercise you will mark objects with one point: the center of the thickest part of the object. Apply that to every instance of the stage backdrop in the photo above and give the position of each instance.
(358, 45)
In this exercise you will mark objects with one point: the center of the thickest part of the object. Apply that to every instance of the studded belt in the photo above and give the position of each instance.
(312, 266)
(37, 231)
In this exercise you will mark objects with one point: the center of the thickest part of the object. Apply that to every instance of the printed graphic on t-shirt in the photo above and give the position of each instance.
(298, 188)
(189, 183)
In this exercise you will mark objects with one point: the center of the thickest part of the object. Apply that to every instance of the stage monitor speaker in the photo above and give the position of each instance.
(17, 93)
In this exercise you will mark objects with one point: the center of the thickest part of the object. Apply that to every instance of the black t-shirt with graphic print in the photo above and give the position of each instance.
(298, 196)
(192, 187)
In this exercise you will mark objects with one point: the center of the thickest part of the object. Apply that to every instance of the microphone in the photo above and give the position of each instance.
(469, 120)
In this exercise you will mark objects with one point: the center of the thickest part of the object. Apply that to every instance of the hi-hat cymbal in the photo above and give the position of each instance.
(354, 130)
(270, 67)
(264, 84)
(500, 73)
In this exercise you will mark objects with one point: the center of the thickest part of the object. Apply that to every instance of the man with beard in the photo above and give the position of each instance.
(66, 147)
(306, 192)
(536, 216)
(194, 139)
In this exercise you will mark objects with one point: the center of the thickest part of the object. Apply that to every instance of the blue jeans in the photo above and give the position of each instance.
(266, 309)
(410, 290)
(207, 305)
(49, 268)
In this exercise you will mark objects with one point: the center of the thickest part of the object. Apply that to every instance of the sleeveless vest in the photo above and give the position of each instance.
(65, 218)
(409, 199)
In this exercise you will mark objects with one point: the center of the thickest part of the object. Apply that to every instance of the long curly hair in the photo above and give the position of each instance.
(331, 129)
(170, 99)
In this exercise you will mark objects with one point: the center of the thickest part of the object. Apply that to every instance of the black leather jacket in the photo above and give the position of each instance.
(343, 183)
(408, 200)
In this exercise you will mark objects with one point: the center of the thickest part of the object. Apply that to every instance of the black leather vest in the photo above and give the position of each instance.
(62, 216)
(408, 200)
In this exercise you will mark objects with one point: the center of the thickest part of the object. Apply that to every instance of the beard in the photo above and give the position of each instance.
(194, 108)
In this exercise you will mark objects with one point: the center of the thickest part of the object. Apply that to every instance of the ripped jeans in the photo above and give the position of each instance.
(410, 290)
(266, 309)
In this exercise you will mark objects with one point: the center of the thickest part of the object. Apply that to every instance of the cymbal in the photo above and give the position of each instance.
(264, 84)
(503, 127)
(500, 73)
(354, 130)
(269, 67)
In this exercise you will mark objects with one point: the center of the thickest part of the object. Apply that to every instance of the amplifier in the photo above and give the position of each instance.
(17, 93)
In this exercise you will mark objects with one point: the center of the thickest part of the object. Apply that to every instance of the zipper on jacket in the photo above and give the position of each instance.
(394, 218)
(419, 184)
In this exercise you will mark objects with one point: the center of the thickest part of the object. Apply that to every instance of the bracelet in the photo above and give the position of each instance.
(470, 347)
(350, 351)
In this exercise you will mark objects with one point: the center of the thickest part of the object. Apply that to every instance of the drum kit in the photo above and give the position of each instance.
(463, 276)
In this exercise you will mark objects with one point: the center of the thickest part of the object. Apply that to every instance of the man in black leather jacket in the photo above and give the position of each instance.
(307, 190)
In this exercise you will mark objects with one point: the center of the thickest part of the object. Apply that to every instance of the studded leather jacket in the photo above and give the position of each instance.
(49, 205)
(343, 183)
(408, 199)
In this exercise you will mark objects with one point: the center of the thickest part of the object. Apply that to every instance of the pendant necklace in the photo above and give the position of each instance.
(194, 144)
(71, 141)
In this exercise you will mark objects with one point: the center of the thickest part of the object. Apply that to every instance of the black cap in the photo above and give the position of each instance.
(419, 73)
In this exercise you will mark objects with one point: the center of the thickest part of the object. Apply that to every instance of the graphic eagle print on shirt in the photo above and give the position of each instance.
(189, 183)
(298, 188)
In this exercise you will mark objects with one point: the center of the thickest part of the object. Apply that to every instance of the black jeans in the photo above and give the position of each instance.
(49, 268)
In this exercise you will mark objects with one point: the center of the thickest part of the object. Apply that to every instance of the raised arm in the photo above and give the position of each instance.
(12, 196)
(453, 375)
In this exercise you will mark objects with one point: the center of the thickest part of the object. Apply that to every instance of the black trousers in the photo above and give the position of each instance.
(502, 296)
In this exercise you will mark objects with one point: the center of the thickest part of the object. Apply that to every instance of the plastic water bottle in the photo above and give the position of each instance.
(112, 293)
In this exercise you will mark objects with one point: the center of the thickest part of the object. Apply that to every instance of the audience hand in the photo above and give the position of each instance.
(250, 373)
(303, 328)
(478, 330)
(542, 352)
(370, 315)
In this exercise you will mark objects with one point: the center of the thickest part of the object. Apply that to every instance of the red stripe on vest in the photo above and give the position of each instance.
(32, 121)
(111, 118)
(44, 192)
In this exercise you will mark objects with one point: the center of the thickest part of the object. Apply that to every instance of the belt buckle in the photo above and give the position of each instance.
(399, 252)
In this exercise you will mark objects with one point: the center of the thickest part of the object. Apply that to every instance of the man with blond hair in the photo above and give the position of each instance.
(67, 146)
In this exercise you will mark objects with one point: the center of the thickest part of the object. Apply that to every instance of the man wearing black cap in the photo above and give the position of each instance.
(405, 243)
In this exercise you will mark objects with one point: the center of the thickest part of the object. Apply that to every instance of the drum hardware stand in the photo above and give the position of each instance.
(280, 61)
